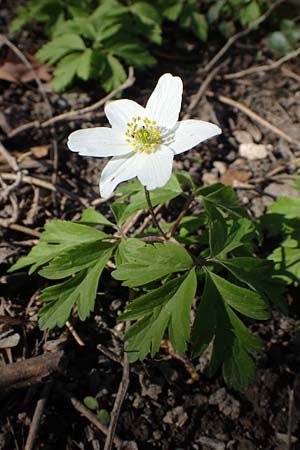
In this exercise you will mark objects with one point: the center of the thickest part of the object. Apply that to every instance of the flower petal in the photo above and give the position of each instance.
(155, 169)
(189, 133)
(117, 170)
(121, 112)
(165, 101)
(99, 142)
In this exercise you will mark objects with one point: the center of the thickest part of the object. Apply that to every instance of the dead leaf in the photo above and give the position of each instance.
(15, 71)
(40, 151)
(9, 341)
(232, 177)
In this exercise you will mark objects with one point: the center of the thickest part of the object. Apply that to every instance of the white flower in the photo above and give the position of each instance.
(142, 141)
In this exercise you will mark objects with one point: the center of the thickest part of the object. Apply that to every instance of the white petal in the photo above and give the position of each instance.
(117, 170)
(189, 133)
(121, 112)
(155, 169)
(98, 142)
(165, 101)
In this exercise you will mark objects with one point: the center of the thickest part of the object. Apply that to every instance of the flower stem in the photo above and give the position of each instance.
(151, 210)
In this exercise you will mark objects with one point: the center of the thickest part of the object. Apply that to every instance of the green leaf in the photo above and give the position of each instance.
(166, 307)
(243, 300)
(278, 42)
(286, 206)
(214, 11)
(249, 13)
(225, 237)
(133, 52)
(216, 322)
(287, 261)
(170, 9)
(74, 260)
(138, 201)
(223, 197)
(238, 367)
(152, 262)
(79, 290)
(92, 217)
(59, 47)
(57, 237)
(114, 75)
(199, 26)
(66, 71)
(258, 274)
(104, 416)
(146, 12)
(84, 64)
(91, 403)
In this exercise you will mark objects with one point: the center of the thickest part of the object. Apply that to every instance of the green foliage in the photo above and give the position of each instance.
(87, 41)
(210, 265)
(283, 225)
(286, 39)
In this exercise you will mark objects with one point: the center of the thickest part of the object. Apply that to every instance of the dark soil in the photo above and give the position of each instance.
(164, 407)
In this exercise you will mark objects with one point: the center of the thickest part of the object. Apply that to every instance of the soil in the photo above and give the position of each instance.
(164, 408)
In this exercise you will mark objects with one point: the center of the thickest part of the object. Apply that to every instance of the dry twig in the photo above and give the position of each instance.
(77, 112)
(254, 116)
(29, 371)
(91, 417)
(263, 67)
(39, 409)
(240, 35)
(118, 404)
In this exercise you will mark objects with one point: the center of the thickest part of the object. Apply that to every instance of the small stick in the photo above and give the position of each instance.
(77, 112)
(118, 404)
(256, 117)
(203, 87)
(110, 354)
(75, 334)
(155, 222)
(22, 57)
(9, 158)
(91, 417)
(184, 211)
(264, 67)
(20, 228)
(29, 371)
(240, 35)
(290, 418)
(46, 185)
(39, 409)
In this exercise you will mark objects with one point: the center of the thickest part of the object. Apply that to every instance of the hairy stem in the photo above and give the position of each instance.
(151, 210)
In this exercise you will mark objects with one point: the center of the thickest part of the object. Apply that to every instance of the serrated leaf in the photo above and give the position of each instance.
(286, 206)
(287, 261)
(59, 47)
(238, 368)
(133, 52)
(225, 237)
(243, 300)
(223, 197)
(258, 274)
(66, 71)
(216, 322)
(57, 237)
(74, 260)
(84, 64)
(152, 262)
(138, 201)
(79, 290)
(92, 217)
(166, 307)
(114, 74)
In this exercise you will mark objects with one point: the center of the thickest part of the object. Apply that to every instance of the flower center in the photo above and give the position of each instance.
(143, 135)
